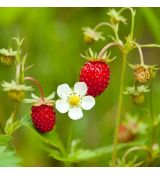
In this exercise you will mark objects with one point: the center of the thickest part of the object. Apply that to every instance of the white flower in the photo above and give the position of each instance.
(92, 34)
(74, 100)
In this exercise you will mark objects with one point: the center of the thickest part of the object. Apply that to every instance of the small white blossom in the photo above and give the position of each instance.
(74, 100)
(92, 35)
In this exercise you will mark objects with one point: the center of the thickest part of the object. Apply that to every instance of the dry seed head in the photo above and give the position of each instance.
(7, 57)
(142, 74)
(7, 60)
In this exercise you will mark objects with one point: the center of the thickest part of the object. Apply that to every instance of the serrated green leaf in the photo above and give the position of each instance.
(2, 148)
(51, 137)
(55, 153)
(11, 126)
(87, 154)
(8, 158)
(5, 139)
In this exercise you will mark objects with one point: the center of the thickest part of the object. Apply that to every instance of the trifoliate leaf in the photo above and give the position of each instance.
(8, 158)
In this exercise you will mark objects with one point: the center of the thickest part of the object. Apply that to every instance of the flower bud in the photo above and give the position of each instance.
(16, 95)
(7, 57)
(138, 99)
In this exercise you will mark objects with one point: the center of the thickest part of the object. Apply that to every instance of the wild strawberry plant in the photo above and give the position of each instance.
(94, 78)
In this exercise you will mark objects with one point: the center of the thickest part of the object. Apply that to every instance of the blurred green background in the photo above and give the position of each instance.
(54, 41)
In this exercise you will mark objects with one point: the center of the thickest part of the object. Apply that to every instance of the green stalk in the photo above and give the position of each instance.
(15, 111)
(153, 129)
(118, 115)
(133, 13)
(69, 142)
(103, 24)
(150, 45)
(69, 139)
(113, 27)
(18, 79)
(2, 129)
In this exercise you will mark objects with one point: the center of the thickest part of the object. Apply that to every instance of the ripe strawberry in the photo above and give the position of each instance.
(125, 135)
(43, 117)
(96, 74)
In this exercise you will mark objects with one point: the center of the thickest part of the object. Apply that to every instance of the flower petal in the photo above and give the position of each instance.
(62, 105)
(87, 102)
(75, 113)
(63, 91)
(80, 88)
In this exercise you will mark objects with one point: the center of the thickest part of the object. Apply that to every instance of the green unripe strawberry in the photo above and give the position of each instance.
(138, 99)
(16, 95)
(137, 93)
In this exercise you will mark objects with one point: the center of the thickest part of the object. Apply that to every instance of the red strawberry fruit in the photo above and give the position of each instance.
(43, 117)
(125, 134)
(96, 74)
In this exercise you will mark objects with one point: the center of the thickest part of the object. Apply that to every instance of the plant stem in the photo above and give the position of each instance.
(135, 148)
(133, 13)
(132, 23)
(115, 30)
(118, 115)
(150, 45)
(38, 85)
(69, 142)
(15, 110)
(113, 27)
(2, 129)
(102, 52)
(69, 139)
(153, 128)
(103, 24)
(140, 53)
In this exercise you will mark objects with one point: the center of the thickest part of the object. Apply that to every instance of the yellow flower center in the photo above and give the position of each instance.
(74, 100)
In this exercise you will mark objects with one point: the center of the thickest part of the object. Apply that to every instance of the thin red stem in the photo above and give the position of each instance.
(102, 52)
(38, 85)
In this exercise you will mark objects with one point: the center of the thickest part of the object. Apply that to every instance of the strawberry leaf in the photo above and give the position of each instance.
(80, 154)
(5, 139)
(50, 138)
(8, 158)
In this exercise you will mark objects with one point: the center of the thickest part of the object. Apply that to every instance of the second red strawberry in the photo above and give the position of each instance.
(96, 74)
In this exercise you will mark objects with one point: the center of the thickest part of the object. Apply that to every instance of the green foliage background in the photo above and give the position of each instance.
(54, 41)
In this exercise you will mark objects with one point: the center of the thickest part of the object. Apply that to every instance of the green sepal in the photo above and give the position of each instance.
(93, 56)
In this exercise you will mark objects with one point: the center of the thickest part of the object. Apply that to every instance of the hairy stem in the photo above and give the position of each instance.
(103, 24)
(150, 45)
(38, 85)
(140, 53)
(3, 132)
(153, 128)
(133, 149)
(113, 27)
(133, 13)
(132, 23)
(104, 49)
(69, 138)
(115, 30)
(118, 115)
(14, 113)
